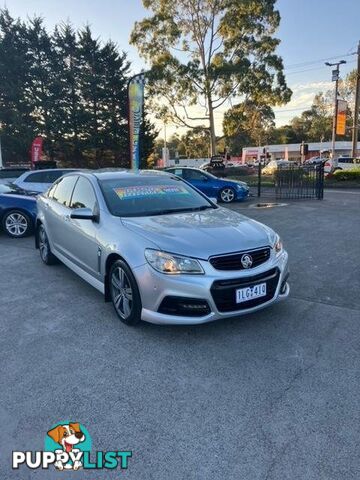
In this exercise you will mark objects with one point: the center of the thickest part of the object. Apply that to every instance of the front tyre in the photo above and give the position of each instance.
(125, 294)
(16, 224)
(227, 195)
(46, 254)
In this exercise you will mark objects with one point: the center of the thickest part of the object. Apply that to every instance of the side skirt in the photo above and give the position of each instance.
(79, 271)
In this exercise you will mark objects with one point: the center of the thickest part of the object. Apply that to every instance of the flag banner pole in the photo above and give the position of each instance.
(36, 150)
(136, 107)
(1, 160)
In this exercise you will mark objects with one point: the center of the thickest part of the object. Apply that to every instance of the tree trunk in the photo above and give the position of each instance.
(212, 126)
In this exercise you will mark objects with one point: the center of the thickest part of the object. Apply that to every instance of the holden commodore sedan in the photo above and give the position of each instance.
(159, 249)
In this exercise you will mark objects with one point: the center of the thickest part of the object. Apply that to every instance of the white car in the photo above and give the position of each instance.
(273, 165)
(343, 163)
(40, 180)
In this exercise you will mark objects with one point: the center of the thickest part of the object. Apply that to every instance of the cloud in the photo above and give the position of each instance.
(302, 99)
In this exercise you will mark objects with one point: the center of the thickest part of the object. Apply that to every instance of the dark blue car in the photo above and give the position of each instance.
(17, 211)
(224, 190)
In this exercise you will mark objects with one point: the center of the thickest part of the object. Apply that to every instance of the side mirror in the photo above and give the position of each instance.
(83, 214)
(214, 200)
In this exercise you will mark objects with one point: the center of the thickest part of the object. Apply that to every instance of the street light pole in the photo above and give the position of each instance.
(335, 78)
(355, 131)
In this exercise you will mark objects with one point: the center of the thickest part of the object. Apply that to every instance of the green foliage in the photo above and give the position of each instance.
(203, 52)
(248, 123)
(68, 87)
(346, 175)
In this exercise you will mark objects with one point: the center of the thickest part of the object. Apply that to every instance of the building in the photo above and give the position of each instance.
(291, 151)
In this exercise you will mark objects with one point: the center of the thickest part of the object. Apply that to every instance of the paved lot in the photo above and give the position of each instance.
(274, 395)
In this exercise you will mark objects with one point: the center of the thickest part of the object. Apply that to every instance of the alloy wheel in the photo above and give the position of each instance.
(122, 293)
(16, 224)
(43, 244)
(227, 195)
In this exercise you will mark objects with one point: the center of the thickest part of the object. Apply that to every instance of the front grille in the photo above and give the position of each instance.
(233, 261)
(224, 291)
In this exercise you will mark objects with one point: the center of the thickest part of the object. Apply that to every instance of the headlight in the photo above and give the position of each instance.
(172, 264)
(278, 245)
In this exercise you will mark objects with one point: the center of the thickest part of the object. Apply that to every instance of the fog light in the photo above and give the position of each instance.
(182, 306)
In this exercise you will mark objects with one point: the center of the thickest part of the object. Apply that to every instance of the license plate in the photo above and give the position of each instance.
(249, 293)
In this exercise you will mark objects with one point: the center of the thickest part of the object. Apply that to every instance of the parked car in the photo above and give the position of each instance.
(8, 175)
(343, 163)
(273, 165)
(159, 249)
(17, 211)
(224, 190)
(40, 180)
(315, 161)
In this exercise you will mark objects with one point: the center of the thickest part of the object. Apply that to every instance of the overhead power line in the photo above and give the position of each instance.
(312, 69)
(312, 62)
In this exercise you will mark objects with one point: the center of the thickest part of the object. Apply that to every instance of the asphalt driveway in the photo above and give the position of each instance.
(274, 395)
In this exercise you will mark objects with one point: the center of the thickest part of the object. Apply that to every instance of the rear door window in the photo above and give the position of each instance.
(36, 177)
(194, 175)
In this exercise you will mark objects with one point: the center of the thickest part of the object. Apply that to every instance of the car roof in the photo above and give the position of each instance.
(184, 168)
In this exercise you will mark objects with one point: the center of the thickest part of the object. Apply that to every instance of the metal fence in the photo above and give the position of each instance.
(293, 182)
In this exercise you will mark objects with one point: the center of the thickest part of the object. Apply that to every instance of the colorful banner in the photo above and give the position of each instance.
(136, 106)
(341, 117)
(36, 150)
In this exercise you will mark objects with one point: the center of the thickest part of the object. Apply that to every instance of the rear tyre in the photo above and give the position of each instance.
(124, 293)
(17, 224)
(46, 254)
(227, 195)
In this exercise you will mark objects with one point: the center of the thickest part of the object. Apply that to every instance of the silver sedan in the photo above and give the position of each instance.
(159, 249)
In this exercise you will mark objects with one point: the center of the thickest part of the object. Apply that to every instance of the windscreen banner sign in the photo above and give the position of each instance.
(136, 105)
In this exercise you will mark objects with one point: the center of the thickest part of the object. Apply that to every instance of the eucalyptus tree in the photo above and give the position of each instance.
(204, 52)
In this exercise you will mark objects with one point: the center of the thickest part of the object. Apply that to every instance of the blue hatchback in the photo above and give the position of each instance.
(224, 190)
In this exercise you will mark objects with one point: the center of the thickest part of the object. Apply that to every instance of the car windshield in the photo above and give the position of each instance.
(146, 196)
(208, 174)
(7, 188)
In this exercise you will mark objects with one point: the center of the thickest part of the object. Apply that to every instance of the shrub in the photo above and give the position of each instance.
(343, 175)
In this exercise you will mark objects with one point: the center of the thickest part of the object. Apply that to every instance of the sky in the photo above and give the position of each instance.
(311, 32)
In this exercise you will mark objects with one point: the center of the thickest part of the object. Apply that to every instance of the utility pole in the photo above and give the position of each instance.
(355, 131)
(335, 78)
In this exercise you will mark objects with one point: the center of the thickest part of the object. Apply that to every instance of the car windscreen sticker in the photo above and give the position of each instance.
(141, 191)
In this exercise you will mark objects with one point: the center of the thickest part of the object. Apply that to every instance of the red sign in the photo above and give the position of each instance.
(36, 150)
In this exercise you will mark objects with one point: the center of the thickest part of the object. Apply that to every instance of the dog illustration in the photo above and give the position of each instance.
(67, 436)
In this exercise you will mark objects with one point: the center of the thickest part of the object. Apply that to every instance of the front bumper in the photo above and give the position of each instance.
(242, 194)
(154, 287)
